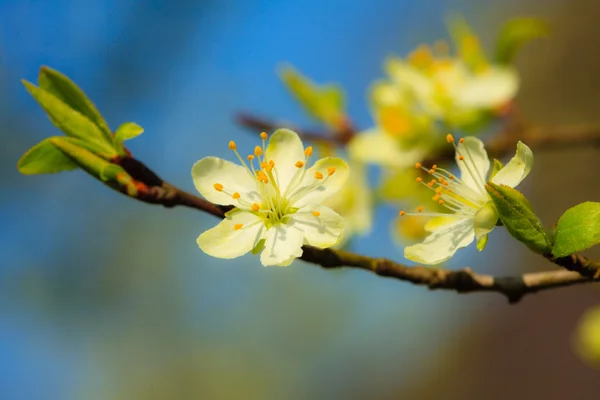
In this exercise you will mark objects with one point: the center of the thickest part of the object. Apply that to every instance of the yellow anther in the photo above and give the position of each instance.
(316, 213)
(401, 213)
(441, 202)
(232, 145)
(434, 167)
(438, 189)
(271, 163)
(236, 195)
(419, 209)
(451, 177)
(461, 158)
(255, 207)
(436, 197)
(418, 165)
(330, 171)
(250, 157)
(449, 138)
(431, 183)
(299, 164)
(419, 179)
(257, 151)
(462, 140)
(237, 227)
(446, 183)
(218, 187)
(308, 152)
(264, 165)
(421, 57)
(431, 171)
(441, 180)
(264, 135)
(262, 177)
(318, 175)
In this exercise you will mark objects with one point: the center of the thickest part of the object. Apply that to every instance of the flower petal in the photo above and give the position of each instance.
(324, 230)
(493, 88)
(485, 220)
(234, 178)
(475, 166)
(283, 244)
(285, 149)
(376, 147)
(517, 168)
(442, 244)
(223, 241)
(312, 191)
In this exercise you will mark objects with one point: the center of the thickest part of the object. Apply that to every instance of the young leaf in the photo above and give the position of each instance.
(519, 219)
(45, 158)
(71, 122)
(515, 34)
(69, 93)
(324, 103)
(111, 174)
(577, 229)
(127, 131)
(466, 42)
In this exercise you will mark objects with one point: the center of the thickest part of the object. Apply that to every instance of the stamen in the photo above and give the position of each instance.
(299, 164)
(218, 187)
(308, 152)
(236, 195)
(402, 212)
(330, 171)
(419, 179)
(237, 227)
(262, 177)
(318, 175)
(461, 158)
(436, 197)
(449, 138)
(462, 140)
(258, 151)
(420, 209)
(418, 165)
(250, 157)
(232, 145)
(264, 135)
(431, 171)
(316, 213)
(255, 207)
(441, 202)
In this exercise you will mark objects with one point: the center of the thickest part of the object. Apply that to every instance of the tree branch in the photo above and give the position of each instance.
(460, 281)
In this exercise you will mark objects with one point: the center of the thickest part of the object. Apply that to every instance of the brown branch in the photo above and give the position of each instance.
(461, 281)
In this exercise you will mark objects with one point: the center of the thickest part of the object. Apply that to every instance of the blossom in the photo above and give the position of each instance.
(354, 203)
(277, 203)
(473, 214)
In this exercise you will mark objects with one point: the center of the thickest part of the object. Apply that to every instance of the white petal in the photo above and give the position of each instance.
(485, 220)
(491, 89)
(517, 168)
(409, 76)
(323, 231)
(309, 194)
(285, 149)
(233, 177)
(376, 147)
(442, 244)
(283, 245)
(475, 166)
(223, 241)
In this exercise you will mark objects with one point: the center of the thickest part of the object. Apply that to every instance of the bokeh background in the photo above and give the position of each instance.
(102, 297)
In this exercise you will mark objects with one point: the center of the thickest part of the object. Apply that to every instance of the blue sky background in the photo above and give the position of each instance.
(101, 297)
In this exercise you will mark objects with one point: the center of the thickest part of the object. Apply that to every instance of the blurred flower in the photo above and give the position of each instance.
(473, 213)
(587, 338)
(278, 204)
(354, 203)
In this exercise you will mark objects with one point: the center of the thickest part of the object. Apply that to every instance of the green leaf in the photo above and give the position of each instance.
(127, 131)
(517, 216)
(69, 93)
(101, 169)
(45, 158)
(325, 103)
(578, 229)
(515, 34)
(71, 122)
(466, 42)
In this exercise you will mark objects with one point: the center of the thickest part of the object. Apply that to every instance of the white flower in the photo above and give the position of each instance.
(473, 214)
(354, 203)
(277, 204)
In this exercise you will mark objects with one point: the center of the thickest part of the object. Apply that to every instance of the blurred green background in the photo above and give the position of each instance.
(102, 297)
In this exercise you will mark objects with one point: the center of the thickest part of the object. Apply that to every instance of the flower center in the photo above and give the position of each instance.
(273, 205)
